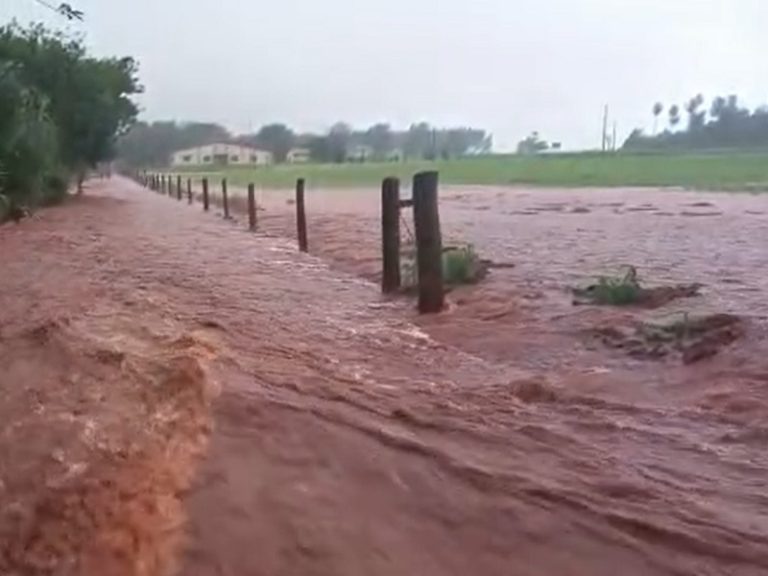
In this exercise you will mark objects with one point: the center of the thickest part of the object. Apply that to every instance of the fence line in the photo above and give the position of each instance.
(426, 219)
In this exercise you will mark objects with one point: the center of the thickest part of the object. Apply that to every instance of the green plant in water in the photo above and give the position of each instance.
(461, 265)
(613, 290)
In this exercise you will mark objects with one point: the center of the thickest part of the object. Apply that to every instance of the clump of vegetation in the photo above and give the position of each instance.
(60, 112)
(612, 290)
(462, 265)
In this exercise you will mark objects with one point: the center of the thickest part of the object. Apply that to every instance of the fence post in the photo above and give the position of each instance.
(206, 199)
(251, 207)
(429, 245)
(390, 235)
(189, 190)
(179, 190)
(224, 198)
(301, 216)
(162, 184)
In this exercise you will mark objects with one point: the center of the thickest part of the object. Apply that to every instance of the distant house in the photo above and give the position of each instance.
(396, 155)
(221, 154)
(360, 153)
(298, 156)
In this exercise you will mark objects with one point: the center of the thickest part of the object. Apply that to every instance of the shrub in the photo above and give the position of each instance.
(614, 290)
(461, 265)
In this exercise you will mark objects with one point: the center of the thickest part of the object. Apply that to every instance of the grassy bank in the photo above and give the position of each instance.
(726, 171)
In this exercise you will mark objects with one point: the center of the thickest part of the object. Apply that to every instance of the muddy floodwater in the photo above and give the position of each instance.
(224, 405)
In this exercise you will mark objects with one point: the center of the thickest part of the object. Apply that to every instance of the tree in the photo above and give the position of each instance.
(696, 118)
(729, 126)
(674, 116)
(658, 108)
(379, 138)
(338, 141)
(419, 141)
(76, 104)
(277, 138)
(533, 144)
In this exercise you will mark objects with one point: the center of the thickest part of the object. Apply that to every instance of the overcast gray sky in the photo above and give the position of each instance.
(510, 66)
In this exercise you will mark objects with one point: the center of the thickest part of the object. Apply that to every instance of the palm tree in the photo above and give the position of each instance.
(674, 116)
(658, 108)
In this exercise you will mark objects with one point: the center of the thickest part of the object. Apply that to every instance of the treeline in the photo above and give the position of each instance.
(152, 144)
(725, 124)
(60, 112)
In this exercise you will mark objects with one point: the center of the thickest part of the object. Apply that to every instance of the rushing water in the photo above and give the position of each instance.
(352, 437)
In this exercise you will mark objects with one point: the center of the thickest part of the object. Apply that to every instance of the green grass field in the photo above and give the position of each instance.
(715, 171)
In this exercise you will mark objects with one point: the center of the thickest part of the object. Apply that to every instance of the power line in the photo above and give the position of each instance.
(64, 9)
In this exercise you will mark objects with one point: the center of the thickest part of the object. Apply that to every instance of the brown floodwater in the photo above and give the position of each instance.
(351, 436)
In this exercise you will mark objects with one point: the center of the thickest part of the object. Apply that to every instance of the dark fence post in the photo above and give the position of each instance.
(251, 207)
(206, 199)
(170, 185)
(189, 190)
(301, 216)
(390, 235)
(429, 245)
(179, 190)
(162, 184)
(224, 198)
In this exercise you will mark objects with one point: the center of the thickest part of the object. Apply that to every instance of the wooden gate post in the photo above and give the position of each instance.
(251, 207)
(224, 199)
(179, 190)
(390, 235)
(189, 190)
(301, 216)
(429, 245)
(206, 199)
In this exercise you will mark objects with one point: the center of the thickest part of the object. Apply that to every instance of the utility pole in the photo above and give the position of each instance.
(614, 136)
(605, 129)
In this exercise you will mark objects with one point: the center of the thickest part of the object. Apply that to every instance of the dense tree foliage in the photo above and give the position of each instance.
(60, 111)
(725, 125)
(153, 144)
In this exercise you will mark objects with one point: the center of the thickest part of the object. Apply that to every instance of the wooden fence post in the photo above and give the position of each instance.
(301, 216)
(390, 235)
(189, 190)
(179, 190)
(251, 207)
(429, 245)
(206, 199)
(224, 198)
(162, 183)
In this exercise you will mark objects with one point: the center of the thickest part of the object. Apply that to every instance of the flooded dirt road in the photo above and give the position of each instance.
(346, 435)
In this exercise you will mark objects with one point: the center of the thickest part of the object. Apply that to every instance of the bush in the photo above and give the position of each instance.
(614, 290)
(461, 265)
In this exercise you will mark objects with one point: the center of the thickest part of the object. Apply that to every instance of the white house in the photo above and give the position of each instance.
(222, 154)
(298, 156)
(359, 153)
